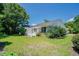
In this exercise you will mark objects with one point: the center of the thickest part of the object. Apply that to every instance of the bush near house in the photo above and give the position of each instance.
(56, 32)
(75, 41)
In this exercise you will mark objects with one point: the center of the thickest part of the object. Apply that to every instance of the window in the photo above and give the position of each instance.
(43, 29)
(35, 30)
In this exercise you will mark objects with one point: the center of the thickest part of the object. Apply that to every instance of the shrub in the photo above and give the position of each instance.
(56, 32)
(75, 41)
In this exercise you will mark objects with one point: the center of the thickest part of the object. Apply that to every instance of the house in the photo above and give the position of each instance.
(42, 27)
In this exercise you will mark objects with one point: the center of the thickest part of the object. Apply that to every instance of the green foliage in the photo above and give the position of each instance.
(75, 41)
(21, 31)
(69, 26)
(1, 28)
(76, 24)
(73, 26)
(8, 54)
(55, 32)
(12, 16)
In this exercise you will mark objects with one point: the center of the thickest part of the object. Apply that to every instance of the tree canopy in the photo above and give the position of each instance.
(69, 26)
(12, 15)
(73, 26)
(76, 24)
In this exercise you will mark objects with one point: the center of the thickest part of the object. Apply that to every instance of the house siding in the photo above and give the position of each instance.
(34, 30)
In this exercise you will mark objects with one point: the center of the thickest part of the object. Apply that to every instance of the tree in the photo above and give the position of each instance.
(13, 16)
(76, 24)
(69, 26)
(1, 15)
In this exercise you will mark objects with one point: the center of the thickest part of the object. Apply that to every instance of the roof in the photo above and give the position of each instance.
(49, 23)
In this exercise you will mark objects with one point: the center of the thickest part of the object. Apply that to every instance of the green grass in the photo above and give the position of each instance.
(23, 45)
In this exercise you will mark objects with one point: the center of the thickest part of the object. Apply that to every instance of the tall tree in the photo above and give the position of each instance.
(13, 16)
(76, 24)
(69, 26)
(1, 16)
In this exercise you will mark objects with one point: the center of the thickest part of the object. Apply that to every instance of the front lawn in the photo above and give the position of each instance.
(23, 45)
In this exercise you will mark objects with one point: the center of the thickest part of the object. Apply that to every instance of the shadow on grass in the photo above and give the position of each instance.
(57, 37)
(3, 44)
(3, 36)
(76, 50)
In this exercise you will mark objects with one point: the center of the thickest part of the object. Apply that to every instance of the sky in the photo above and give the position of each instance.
(50, 11)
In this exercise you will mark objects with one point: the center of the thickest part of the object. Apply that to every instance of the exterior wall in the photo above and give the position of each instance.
(32, 31)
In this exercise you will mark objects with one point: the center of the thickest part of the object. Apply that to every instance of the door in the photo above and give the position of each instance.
(43, 29)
